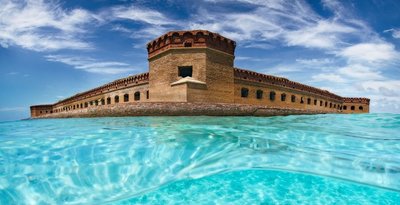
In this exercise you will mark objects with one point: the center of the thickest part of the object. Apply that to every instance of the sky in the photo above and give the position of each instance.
(50, 50)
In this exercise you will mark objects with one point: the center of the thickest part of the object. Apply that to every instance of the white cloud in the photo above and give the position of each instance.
(315, 61)
(370, 52)
(150, 32)
(287, 23)
(389, 88)
(269, 21)
(145, 15)
(395, 32)
(121, 29)
(152, 22)
(259, 45)
(248, 23)
(384, 104)
(336, 7)
(92, 65)
(247, 58)
(41, 26)
(324, 34)
(360, 72)
(323, 77)
(384, 94)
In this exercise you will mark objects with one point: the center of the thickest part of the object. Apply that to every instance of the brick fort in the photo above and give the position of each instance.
(193, 73)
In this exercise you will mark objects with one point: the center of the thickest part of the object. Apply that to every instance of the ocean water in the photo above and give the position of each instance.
(304, 159)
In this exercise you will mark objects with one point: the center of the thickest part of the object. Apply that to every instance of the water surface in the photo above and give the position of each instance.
(314, 159)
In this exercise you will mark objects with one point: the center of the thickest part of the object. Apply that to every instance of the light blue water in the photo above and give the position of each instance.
(316, 159)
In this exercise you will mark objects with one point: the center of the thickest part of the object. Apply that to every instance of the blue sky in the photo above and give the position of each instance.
(50, 50)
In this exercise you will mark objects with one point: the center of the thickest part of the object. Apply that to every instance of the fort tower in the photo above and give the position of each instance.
(191, 66)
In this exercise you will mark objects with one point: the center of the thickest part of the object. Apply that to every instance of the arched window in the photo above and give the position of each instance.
(137, 96)
(361, 108)
(334, 105)
(301, 100)
(96, 102)
(326, 104)
(309, 101)
(91, 103)
(353, 108)
(126, 98)
(272, 95)
(147, 95)
(108, 100)
(103, 102)
(244, 92)
(81, 105)
(321, 102)
(293, 98)
(344, 107)
(283, 97)
(315, 102)
(259, 94)
(330, 105)
(86, 104)
(116, 99)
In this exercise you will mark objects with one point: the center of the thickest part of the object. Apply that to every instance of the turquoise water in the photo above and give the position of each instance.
(315, 159)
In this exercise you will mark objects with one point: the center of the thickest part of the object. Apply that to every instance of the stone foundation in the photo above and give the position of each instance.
(178, 109)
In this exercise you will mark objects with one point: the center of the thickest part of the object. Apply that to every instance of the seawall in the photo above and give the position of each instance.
(178, 109)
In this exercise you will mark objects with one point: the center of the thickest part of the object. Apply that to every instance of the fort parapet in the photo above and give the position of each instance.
(193, 73)
(190, 39)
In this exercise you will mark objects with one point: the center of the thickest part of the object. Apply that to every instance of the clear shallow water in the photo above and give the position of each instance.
(316, 159)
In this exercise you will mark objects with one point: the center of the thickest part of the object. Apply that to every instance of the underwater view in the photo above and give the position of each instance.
(304, 159)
